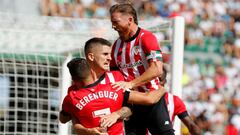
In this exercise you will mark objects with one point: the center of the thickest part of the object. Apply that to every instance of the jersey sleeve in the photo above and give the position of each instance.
(67, 106)
(71, 88)
(151, 47)
(180, 108)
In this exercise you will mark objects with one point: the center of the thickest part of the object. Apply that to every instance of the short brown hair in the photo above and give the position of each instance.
(94, 42)
(125, 8)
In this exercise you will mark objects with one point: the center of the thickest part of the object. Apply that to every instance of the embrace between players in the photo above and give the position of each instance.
(116, 89)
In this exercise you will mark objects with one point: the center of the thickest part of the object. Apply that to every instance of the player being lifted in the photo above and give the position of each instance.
(137, 55)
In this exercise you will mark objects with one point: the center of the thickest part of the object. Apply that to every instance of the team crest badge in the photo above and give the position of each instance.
(136, 50)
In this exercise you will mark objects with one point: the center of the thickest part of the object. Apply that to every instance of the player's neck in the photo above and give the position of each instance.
(89, 80)
(96, 74)
(132, 33)
(133, 30)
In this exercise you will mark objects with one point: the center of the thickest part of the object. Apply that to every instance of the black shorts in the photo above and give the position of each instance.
(155, 118)
(159, 121)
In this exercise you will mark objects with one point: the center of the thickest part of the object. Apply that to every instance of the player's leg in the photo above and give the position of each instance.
(159, 120)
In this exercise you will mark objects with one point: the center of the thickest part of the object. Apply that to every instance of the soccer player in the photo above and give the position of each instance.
(97, 52)
(94, 100)
(176, 107)
(137, 55)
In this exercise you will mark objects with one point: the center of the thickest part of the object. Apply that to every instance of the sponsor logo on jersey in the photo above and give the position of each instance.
(130, 65)
(101, 112)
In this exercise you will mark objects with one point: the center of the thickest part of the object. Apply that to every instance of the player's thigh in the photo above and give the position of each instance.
(159, 120)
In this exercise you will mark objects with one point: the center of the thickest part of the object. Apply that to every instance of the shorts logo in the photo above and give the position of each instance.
(166, 123)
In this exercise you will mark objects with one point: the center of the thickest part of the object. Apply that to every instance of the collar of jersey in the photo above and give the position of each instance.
(95, 83)
(134, 36)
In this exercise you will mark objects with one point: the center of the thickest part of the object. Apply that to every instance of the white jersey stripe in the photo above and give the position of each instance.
(123, 57)
(103, 81)
(132, 59)
(143, 57)
(118, 44)
(170, 106)
(111, 77)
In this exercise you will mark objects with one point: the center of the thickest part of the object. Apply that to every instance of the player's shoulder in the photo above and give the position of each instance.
(73, 88)
(79, 93)
(147, 36)
(175, 97)
(114, 72)
(145, 32)
(117, 40)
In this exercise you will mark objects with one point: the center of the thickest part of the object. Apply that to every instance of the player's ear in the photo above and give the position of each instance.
(130, 19)
(90, 56)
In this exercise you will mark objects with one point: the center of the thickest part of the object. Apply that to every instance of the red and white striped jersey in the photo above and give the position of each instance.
(175, 106)
(112, 77)
(132, 57)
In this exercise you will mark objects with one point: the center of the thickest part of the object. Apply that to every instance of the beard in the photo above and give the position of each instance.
(125, 33)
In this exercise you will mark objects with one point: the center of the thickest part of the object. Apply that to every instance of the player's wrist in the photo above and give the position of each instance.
(90, 131)
(118, 115)
(132, 85)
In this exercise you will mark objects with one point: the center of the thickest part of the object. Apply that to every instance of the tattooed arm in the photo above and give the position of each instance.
(109, 120)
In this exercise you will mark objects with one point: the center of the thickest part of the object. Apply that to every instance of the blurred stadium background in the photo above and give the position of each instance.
(211, 74)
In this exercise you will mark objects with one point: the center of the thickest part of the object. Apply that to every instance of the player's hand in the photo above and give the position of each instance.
(122, 85)
(109, 120)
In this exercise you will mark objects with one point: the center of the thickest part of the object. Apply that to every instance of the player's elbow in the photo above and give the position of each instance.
(159, 71)
(194, 129)
(157, 68)
(64, 118)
